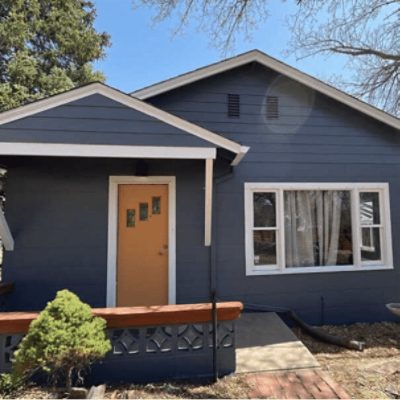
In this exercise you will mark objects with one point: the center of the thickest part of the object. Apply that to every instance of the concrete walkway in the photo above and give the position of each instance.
(277, 364)
(265, 343)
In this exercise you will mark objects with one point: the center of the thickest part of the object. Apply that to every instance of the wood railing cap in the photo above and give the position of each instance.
(125, 317)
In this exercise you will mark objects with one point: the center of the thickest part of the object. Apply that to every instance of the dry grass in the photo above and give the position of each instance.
(373, 373)
(231, 387)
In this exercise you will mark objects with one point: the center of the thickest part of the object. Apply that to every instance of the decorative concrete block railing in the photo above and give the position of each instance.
(149, 343)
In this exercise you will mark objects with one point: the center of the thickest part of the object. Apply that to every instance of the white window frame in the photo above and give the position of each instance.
(355, 189)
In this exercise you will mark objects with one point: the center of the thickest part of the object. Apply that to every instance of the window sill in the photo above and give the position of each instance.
(312, 270)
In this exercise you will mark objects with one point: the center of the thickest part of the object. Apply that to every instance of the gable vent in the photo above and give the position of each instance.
(272, 107)
(233, 105)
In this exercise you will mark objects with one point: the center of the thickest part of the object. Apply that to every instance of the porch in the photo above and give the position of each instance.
(64, 214)
(150, 344)
(171, 343)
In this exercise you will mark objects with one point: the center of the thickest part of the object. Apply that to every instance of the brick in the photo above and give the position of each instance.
(337, 389)
(301, 391)
(302, 384)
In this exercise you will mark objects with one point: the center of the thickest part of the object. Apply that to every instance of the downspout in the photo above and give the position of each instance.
(213, 270)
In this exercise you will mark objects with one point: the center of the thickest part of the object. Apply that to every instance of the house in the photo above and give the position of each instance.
(246, 177)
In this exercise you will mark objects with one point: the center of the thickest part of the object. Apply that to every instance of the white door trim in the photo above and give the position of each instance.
(114, 181)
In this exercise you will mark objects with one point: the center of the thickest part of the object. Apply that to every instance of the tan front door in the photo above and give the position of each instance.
(142, 260)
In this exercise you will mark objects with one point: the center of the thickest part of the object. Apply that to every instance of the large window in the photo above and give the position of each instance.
(293, 228)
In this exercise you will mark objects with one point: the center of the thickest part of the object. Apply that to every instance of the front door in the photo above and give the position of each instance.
(142, 260)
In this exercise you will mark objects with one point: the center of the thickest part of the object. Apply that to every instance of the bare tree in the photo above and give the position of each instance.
(221, 19)
(366, 32)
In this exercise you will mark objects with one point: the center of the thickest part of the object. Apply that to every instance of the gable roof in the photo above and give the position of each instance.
(129, 101)
(276, 65)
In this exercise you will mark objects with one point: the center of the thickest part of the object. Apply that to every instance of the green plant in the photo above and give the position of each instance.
(10, 383)
(63, 341)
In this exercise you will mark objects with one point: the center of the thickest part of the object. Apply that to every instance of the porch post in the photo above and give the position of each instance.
(5, 233)
(208, 201)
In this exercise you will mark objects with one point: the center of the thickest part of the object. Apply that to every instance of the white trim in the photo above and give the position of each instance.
(368, 186)
(114, 181)
(208, 202)
(5, 233)
(355, 189)
(318, 270)
(122, 98)
(278, 66)
(103, 150)
(239, 156)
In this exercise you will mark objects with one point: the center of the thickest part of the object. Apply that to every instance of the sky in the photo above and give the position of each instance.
(143, 53)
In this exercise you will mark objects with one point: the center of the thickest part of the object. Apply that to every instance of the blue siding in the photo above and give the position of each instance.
(315, 140)
(57, 210)
(96, 119)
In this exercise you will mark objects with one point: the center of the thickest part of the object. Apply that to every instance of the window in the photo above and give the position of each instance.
(294, 228)
(233, 105)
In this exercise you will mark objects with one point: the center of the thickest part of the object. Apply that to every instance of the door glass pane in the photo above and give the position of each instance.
(264, 210)
(318, 229)
(156, 205)
(369, 208)
(264, 247)
(130, 218)
(143, 211)
(371, 244)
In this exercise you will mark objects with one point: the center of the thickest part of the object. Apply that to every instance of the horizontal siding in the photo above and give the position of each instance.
(96, 120)
(57, 212)
(317, 140)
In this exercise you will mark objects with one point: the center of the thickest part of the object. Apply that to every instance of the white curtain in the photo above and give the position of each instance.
(312, 226)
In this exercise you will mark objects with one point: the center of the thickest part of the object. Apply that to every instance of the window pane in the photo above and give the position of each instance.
(318, 228)
(371, 248)
(369, 208)
(264, 247)
(264, 210)
(367, 239)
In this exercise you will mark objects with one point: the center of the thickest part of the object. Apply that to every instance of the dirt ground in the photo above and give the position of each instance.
(372, 373)
(232, 387)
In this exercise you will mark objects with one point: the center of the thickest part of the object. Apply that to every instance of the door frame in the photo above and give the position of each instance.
(112, 247)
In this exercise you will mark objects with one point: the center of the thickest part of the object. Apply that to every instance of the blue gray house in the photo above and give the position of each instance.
(247, 178)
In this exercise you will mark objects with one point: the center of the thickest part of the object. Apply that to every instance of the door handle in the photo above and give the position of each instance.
(164, 250)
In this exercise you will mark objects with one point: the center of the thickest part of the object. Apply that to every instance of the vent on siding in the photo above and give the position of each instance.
(272, 107)
(233, 105)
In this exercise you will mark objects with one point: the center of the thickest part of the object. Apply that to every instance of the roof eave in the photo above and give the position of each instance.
(123, 98)
(269, 62)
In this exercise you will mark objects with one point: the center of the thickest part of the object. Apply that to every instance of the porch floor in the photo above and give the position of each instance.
(265, 343)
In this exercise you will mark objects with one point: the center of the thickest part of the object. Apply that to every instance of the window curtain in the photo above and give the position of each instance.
(312, 226)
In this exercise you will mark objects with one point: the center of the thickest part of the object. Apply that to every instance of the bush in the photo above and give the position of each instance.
(63, 341)
(9, 385)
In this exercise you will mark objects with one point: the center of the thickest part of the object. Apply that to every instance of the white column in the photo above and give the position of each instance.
(208, 202)
(5, 233)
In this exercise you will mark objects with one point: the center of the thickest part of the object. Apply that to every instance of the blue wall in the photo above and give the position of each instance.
(316, 139)
(96, 119)
(57, 210)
